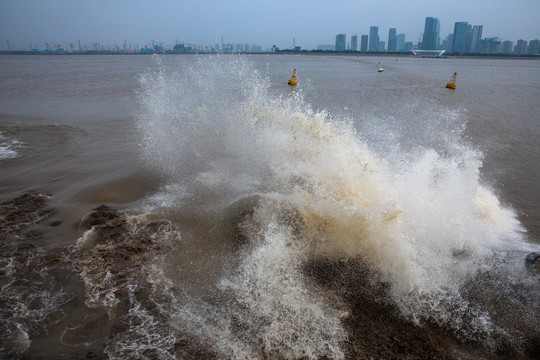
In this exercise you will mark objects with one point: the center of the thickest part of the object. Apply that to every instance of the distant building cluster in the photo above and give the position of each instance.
(178, 48)
(466, 39)
(217, 48)
(369, 43)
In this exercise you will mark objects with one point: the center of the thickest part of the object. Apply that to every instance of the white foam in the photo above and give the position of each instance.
(145, 337)
(32, 298)
(8, 147)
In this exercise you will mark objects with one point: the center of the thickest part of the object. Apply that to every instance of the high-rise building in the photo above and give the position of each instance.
(382, 45)
(400, 42)
(468, 39)
(476, 37)
(490, 46)
(373, 38)
(534, 47)
(521, 47)
(460, 37)
(354, 42)
(341, 42)
(446, 44)
(430, 39)
(364, 43)
(507, 47)
(495, 46)
(392, 39)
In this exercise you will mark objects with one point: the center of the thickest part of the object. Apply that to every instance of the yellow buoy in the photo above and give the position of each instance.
(452, 83)
(292, 80)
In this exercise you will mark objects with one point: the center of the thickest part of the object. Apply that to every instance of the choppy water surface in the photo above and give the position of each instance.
(198, 207)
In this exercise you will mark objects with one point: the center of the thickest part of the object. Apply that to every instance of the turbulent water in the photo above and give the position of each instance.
(268, 222)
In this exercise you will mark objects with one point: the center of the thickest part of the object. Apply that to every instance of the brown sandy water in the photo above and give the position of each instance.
(197, 207)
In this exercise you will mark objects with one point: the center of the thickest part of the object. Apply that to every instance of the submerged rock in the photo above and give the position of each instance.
(19, 213)
(532, 261)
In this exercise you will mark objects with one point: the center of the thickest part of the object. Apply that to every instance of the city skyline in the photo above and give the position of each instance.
(23, 23)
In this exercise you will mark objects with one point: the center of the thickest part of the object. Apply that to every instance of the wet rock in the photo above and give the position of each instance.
(16, 215)
(99, 216)
(240, 212)
(247, 214)
(532, 261)
(532, 347)
(55, 223)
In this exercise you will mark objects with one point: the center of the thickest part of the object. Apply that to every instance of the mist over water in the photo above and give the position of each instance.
(304, 186)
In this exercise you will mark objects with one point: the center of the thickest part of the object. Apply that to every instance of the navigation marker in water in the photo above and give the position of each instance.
(292, 80)
(452, 83)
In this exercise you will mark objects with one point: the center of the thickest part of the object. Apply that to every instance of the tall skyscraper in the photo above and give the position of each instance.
(490, 46)
(400, 42)
(534, 47)
(354, 42)
(476, 36)
(373, 38)
(447, 43)
(495, 46)
(460, 37)
(430, 39)
(364, 43)
(392, 39)
(507, 47)
(521, 47)
(341, 42)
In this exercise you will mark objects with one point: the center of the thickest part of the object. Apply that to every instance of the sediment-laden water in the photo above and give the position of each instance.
(199, 207)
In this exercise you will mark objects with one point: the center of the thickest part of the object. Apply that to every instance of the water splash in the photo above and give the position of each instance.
(420, 218)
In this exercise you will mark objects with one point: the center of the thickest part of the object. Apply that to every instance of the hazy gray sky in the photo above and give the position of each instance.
(263, 22)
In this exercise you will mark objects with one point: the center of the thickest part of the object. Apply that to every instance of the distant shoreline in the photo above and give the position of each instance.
(282, 52)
